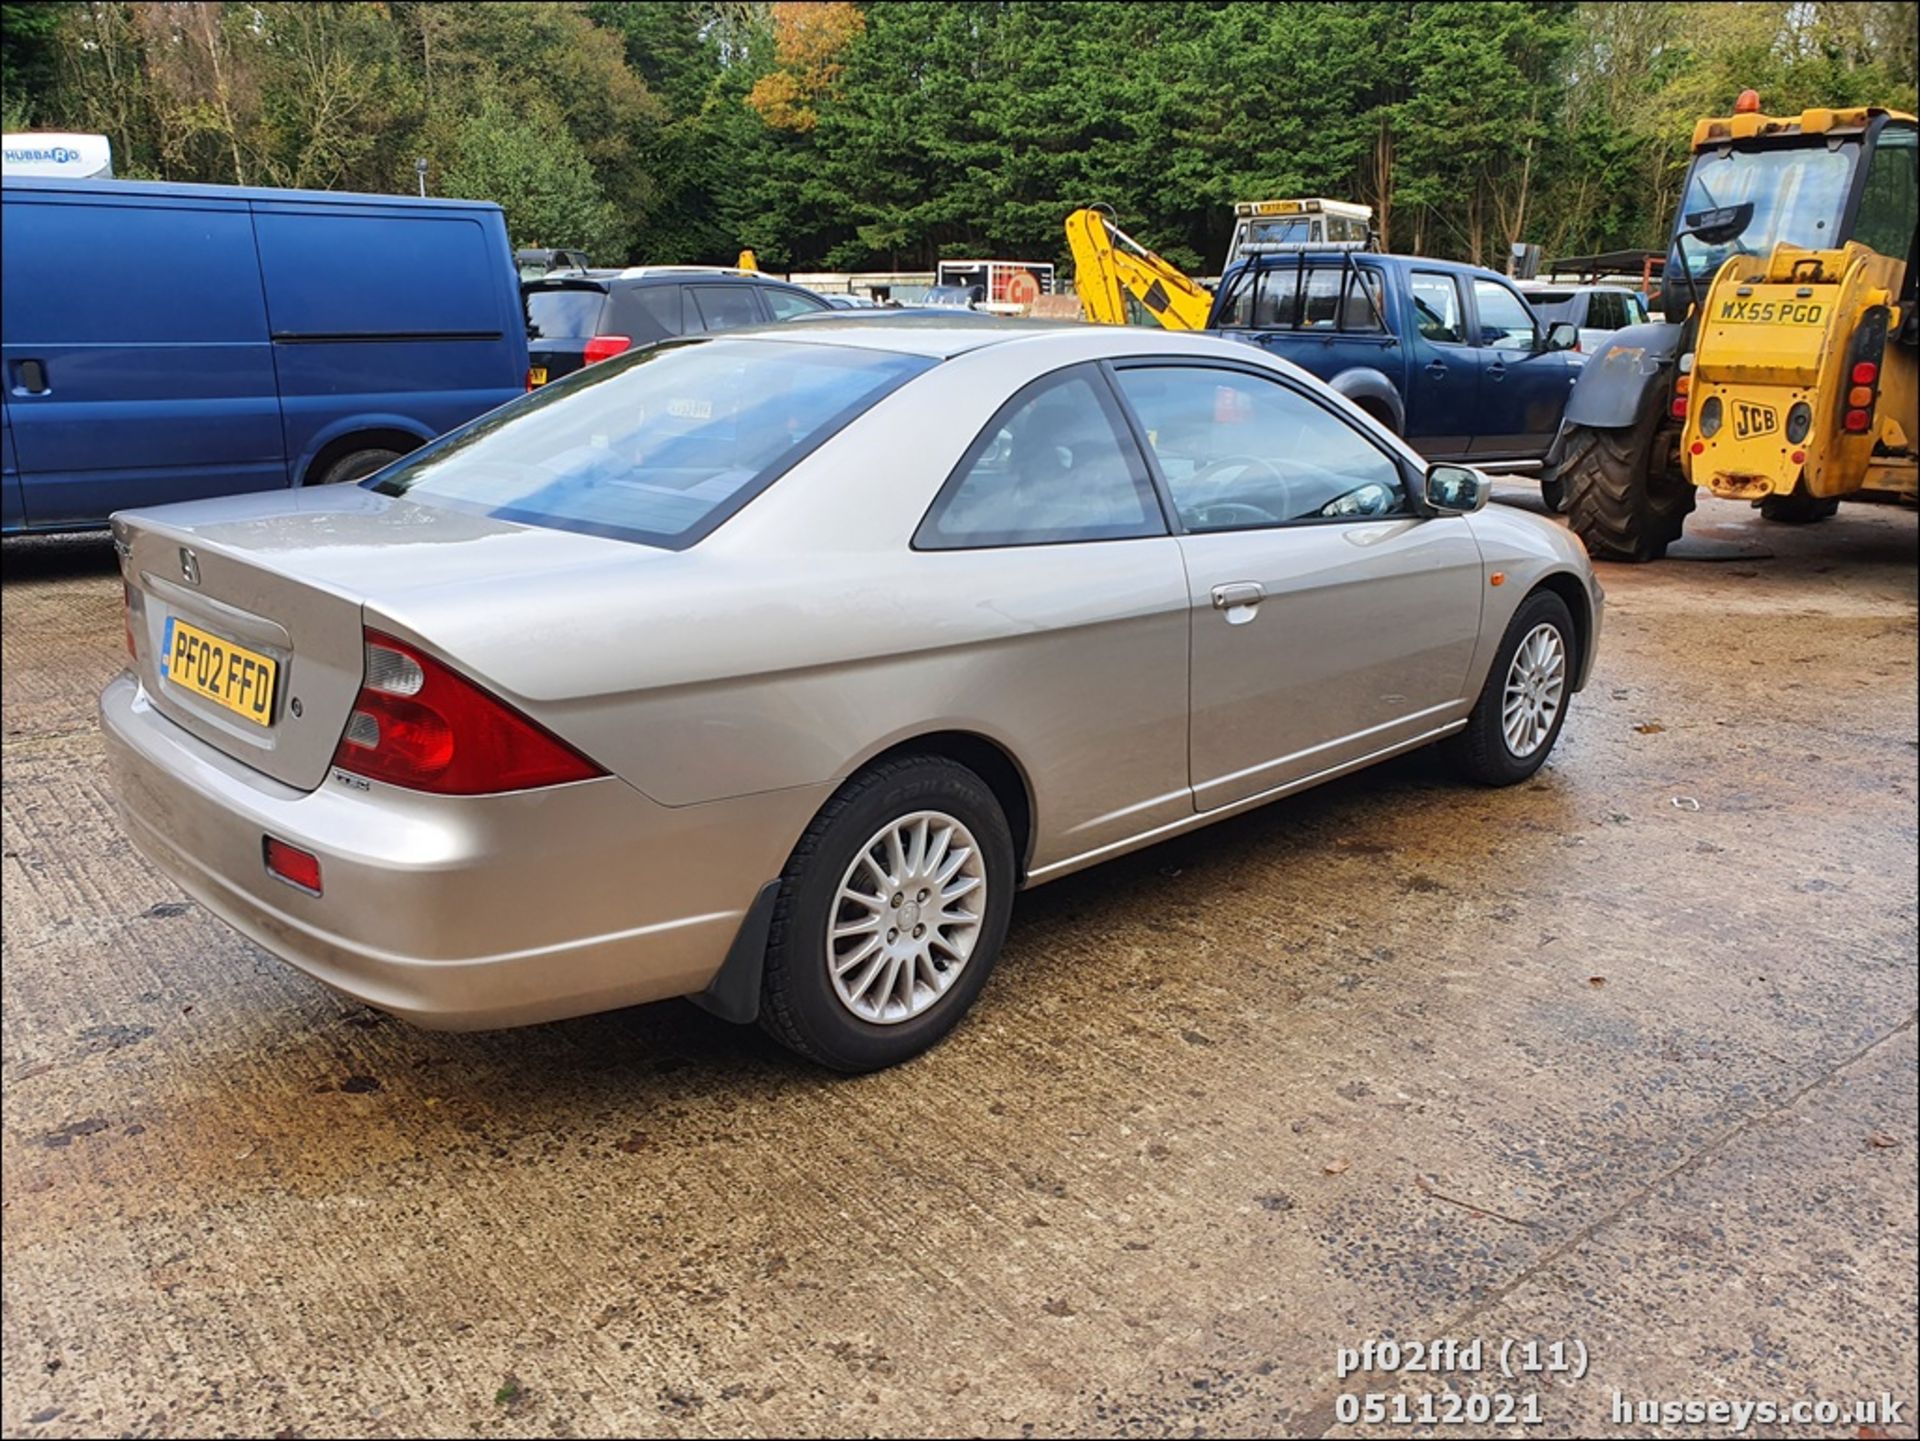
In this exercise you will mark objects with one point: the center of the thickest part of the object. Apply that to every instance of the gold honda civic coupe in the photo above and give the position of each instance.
(765, 668)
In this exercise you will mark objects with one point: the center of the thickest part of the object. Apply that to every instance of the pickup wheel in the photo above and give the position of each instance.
(1624, 500)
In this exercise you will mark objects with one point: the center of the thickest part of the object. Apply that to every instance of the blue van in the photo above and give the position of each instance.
(170, 342)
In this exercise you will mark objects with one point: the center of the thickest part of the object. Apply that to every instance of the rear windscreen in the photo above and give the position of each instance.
(659, 445)
(1551, 305)
(563, 314)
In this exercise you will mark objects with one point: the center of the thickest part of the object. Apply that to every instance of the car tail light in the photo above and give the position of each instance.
(419, 724)
(292, 865)
(1863, 370)
(605, 347)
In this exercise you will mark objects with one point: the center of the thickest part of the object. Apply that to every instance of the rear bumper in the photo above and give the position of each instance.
(455, 913)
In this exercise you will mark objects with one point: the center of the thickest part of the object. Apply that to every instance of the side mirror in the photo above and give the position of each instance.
(1718, 227)
(1456, 489)
(1562, 335)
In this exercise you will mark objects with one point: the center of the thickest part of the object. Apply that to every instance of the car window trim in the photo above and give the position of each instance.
(1139, 465)
(1408, 480)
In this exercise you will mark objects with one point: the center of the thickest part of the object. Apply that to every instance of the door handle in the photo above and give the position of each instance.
(1435, 368)
(1237, 594)
(30, 377)
(1497, 371)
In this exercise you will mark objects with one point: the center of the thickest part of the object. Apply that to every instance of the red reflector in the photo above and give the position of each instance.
(417, 723)
(1799, 457)
(1698, 447)
(294, 865)
(1856, 421)
(605, 347)
(1865, 372)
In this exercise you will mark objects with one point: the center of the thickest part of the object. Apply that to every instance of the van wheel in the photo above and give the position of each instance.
(356, 465)
(891, 913)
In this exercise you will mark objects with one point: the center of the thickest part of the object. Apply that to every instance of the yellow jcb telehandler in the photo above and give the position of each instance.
(1785, 370)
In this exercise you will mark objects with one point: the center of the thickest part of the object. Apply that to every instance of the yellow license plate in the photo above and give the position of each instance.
(536, 375)
(1773, 312)
(229, 675)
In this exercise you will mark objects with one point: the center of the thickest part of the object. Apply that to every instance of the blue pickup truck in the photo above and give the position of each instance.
(171, 342)
(1448, 355)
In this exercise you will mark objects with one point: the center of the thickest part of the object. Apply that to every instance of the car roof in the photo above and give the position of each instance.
(912, 333)
(636, 276)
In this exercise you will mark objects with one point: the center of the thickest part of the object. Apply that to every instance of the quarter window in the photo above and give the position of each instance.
(1239, 451)
(1051, 468)
(1505, 321)
(785, 304)
(1436, 307)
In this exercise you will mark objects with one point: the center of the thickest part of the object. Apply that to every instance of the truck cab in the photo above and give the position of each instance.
(1450, 356)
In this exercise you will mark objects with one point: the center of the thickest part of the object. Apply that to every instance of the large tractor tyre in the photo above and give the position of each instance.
(1624, 501)
(1798, 508)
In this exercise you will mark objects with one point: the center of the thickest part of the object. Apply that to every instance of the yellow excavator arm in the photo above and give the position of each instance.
(1109, 265)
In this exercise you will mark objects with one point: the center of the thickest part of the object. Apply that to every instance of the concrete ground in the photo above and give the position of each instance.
(1624, 1057)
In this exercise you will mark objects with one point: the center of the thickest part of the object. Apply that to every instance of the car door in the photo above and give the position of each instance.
(1330, 620)
(138, 364)
(1443, 370)
(1051, 525)
(1523, 387)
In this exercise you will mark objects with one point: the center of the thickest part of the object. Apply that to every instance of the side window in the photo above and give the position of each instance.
(1605, 310)
(785, 304)
(644, 312)
(1319, 298)
(1050, 467)
(1887, 204)
(726, 307)
(1436, 307)
(1636, 310)
(1505, 321)
(1240, 451)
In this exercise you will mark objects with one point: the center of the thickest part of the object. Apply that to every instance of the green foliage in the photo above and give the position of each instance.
(916, 130)
(28, 55)
(524, 157)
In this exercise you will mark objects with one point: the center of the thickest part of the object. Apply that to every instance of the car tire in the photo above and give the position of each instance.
(1486, 750)
(837, 1022)
(1798, 508)
(356, 465)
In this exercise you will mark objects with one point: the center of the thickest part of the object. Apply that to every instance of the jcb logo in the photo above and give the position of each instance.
(1766, 312)
(1752, 420)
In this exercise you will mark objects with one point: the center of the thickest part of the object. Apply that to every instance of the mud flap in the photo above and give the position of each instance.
(734, 992)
